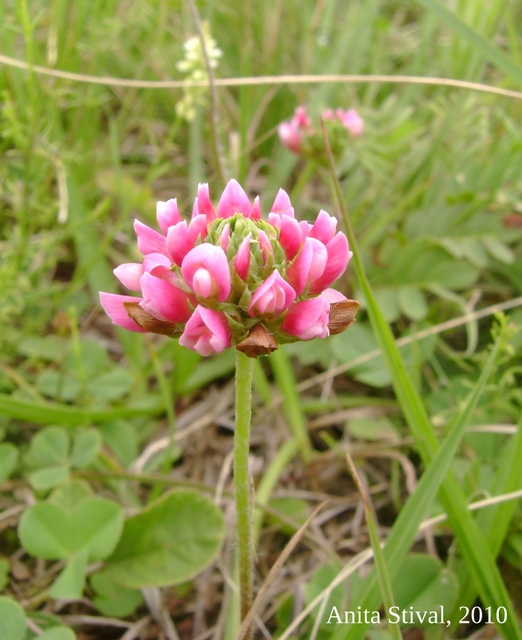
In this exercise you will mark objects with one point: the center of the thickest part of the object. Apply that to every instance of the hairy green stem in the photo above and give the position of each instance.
(242, 484)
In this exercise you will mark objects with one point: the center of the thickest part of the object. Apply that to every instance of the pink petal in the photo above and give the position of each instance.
(309, 265)
(273, 296)
(338, 257)
(206, 332)
(332, 295)
(301, 117)
(308, 319)
(207, 259)
(129, 275)
(242, 259)
(203, 205)
(160, 266)
(282, 204)
(164, 301)
(352, 121)
(167, 214)
(324, 227)
(225, 237)
(290, 235)
(153, 260)
(113, 307)
(329, 114)
(234, 200)
(305, 227)
(178, 242)
(149, 241)
(181, 238)
(197, 229)
(290, 136)
(265, 244)
(255, 212)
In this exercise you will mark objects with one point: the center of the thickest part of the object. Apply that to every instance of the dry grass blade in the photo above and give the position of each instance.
(272, 575)
(367, 555)
(262, 80)
(380, 562)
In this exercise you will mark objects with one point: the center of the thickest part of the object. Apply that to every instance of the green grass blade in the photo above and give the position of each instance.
(473, 544)
(270, 479)
(489, 51)
(69, 416)
(285, 379)
(405, 528)
(495, 520)
(381, 566)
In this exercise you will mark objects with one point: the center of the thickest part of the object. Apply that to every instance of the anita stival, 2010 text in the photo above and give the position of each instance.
(410, 616)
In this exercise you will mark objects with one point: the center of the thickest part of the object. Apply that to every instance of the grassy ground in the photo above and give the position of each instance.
(434, 193)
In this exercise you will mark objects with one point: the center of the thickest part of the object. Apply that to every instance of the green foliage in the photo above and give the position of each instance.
(319, 581)
(113, 599)
(12, 619)
(434, 192)
(169, 542)
(425, 585)
(53, 454)
(13, 624)
(58, 633)
(8, 460)
(294, 509)
(4, 573)
(75, 527)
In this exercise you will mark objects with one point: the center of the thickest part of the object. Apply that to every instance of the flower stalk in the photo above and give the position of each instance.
(242, 481)
(227, 278)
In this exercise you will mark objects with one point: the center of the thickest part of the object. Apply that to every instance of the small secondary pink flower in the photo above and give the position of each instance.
(206, 332)
(308, 319)
(228, 278)
(163, 300)
(274, 296)
(205, 269)
(309, 264)
(301, 136)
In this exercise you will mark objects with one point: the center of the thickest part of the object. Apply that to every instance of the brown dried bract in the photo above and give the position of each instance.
(148, 322)
(260, 342)
(342, 315)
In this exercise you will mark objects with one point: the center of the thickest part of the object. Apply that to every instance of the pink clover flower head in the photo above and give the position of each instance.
(305, 138)
(229, 278)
